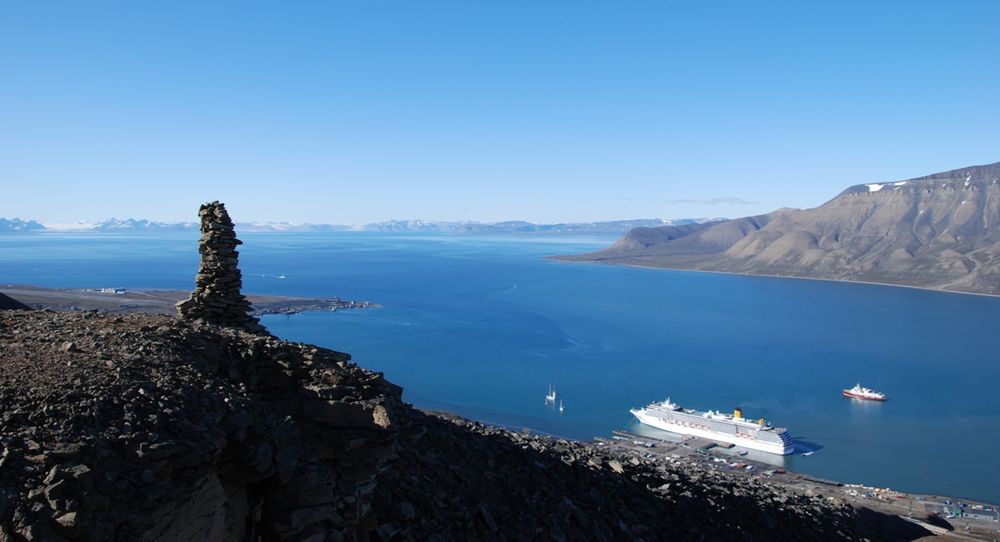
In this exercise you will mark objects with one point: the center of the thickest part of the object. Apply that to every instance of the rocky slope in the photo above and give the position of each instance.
(151, 428)
(148, 427)
(941, 231)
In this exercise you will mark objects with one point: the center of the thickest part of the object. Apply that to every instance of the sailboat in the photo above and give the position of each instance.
(550, 399)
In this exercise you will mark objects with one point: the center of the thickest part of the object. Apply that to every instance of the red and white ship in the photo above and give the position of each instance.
(860, 392)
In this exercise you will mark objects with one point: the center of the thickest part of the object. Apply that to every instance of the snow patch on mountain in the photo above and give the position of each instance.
(16, 225)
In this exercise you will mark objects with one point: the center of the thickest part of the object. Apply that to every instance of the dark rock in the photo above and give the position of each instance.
(217, 297)
(488, 518)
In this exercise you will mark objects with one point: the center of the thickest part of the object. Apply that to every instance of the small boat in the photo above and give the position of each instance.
(810, 452)
(861, 392)
(561, 406)
(550, 399)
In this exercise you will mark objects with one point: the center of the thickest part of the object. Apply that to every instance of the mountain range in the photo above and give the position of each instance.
(517, 226)
(16, 225)
(402, 226)
(940, 231)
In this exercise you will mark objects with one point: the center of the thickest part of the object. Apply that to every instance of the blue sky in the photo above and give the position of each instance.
(545, 111)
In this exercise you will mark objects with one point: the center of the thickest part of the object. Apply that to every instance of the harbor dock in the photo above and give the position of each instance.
(952, 518)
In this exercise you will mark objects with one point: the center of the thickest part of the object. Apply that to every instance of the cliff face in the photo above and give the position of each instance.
(939, 231)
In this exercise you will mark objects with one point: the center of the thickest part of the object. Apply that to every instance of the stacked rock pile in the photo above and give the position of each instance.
(216, 297)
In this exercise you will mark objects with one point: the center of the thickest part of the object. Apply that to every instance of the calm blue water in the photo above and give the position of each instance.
(482, 325)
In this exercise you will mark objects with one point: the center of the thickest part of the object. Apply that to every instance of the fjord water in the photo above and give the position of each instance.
(481, 326)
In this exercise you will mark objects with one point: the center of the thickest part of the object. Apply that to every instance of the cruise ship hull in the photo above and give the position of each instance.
(659, 423)
(852, 395)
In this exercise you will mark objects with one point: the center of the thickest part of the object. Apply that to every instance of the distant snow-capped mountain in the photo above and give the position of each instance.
(401, 226)
(288, 227)
(16, 225)
(112, 225)
(518, 226)
(132, 224)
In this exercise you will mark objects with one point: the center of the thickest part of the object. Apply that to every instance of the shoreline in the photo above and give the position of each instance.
(630, 456)
(693, 455)
(763, 275)
(155, 301)
(676, 440)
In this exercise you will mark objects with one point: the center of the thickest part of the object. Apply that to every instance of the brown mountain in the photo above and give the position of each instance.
(939, 231)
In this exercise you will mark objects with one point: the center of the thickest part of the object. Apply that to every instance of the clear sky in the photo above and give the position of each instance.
(545, 111)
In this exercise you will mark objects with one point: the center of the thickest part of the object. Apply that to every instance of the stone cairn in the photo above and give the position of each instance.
(216, 297)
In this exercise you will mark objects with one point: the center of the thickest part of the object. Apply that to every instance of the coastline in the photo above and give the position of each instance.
(700, 457)
(564, 259)
(123, 300)
(694, 466)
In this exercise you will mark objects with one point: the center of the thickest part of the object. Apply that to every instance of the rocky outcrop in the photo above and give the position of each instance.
(456, 479)
(146, 427)
(939, 231)
(217, 297)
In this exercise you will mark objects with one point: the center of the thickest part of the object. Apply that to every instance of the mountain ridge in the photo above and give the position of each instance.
(937, 231)
(16, 225)
(133, 225)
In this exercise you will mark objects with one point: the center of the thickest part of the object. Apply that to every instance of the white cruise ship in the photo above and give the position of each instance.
(719, 426)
